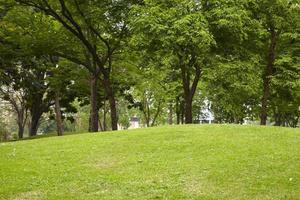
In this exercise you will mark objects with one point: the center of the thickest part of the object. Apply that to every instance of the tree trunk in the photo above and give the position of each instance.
(264, 102)
(170, 114)
(34, 123)
(295, 122)
(58, 116)
(146, 113)
(189, 87)
(112, 102)
(36, 112)
(188, 114)
(21, 112)
(182, 111)
(21, 121)
(113, 113)
(104, 116)
(278, 120)
(177, 110)
(267, 78)
(189, 92)
(20, 130)
(38, 105)
(156, 113)
(94, 117)
(102, 122)
(90, 122)
(147, 120)
(100, 125)
(28, 126)
(187, 95)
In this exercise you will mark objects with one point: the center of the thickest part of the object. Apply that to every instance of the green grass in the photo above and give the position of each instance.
(177, 162)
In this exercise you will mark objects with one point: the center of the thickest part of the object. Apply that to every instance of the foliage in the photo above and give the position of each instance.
(233, 91)
(154, 59)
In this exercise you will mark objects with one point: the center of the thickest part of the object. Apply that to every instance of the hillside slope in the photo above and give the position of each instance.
(177, 162)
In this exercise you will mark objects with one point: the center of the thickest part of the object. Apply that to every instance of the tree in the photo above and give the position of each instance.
(233, 90)
(101, 27)
(277, 19)
(285, 95)
(191, 35)
(17, 101)
(179, 30)
(150, 93)
(26, 42)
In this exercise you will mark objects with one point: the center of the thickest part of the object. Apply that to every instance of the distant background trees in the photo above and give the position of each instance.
(93, 66)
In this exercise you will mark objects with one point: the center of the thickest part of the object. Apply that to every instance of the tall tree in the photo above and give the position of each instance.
(26, 43)
(179, 30)
(100, 26)
(276, 19)
(190, 35)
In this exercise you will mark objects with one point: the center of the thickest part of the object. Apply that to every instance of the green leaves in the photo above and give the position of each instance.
(172, 27)
(156, 50)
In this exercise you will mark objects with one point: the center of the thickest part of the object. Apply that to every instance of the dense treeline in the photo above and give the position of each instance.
(161, 61)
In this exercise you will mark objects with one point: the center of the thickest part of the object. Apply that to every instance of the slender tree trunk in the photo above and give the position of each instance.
(21, 121)
(112, 102)
(170, 114)
(105, 110)
(146, 113)
(182, 111)
(28, 126)
(267, 78)
(90, 122)
(20, 130)
(147, 119)
(113, 113)
(264, 102)
(58, 116)
(94, 117)
(156, 114)
(177, 110)
(21, 112)
(102, 122)
(100, 125)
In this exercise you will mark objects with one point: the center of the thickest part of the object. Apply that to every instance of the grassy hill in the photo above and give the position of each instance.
(177, 162)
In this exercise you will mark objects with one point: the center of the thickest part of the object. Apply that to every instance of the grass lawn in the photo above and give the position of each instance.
(176, 162)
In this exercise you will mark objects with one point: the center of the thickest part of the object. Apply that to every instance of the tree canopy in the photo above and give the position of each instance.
(151, 61)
